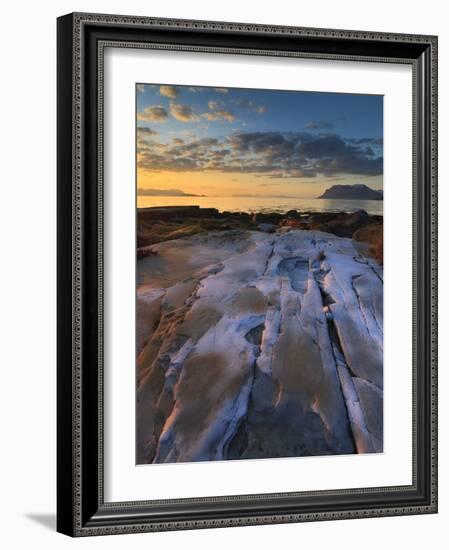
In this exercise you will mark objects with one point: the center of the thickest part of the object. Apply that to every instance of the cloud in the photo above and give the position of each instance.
(145, 132)
(164, 193)
(269, 154)
(221, 114)
(214, 105)
(221, 90)
(140, 87)
(291, 174)
(183, 113)
(329, 145)
(251, 106)
(169, 91)
(321, 125)
(368, 141)
(259, 142)
(218, 112)
(143, 135)
(154, 113)
(193, 155)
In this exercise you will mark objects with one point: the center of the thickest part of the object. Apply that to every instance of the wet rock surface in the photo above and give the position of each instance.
(258, 345)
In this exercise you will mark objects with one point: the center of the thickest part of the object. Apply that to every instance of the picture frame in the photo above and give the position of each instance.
(81, 506)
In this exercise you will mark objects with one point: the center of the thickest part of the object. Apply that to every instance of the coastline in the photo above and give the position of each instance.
(163, 223)
(253, 204)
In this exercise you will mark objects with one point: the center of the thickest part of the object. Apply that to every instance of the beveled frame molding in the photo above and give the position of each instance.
(81, 42)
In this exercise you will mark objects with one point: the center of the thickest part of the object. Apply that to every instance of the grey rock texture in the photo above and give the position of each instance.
(267, 227)
(258, 345)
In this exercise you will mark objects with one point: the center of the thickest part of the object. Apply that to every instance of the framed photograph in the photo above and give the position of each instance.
(246, 274)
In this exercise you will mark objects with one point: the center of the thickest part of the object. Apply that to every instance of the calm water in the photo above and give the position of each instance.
(266, 204)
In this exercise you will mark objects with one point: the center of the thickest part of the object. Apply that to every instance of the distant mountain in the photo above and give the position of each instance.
(357, 191)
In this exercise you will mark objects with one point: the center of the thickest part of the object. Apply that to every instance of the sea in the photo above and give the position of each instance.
(266, 204)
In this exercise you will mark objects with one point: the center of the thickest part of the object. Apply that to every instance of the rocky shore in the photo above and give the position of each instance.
(258, 336)
(172, 222)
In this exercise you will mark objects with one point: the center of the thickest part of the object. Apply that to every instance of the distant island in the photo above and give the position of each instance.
(357, 191)
(165, 193)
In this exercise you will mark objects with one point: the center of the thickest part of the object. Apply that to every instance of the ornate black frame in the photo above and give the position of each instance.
(81, 509)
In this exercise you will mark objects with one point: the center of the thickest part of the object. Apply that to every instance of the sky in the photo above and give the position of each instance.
(234, 141)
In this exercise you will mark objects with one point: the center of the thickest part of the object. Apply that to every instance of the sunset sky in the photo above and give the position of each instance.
(228, 141)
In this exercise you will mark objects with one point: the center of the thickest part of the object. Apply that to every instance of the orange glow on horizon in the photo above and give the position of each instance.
(225, 184)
